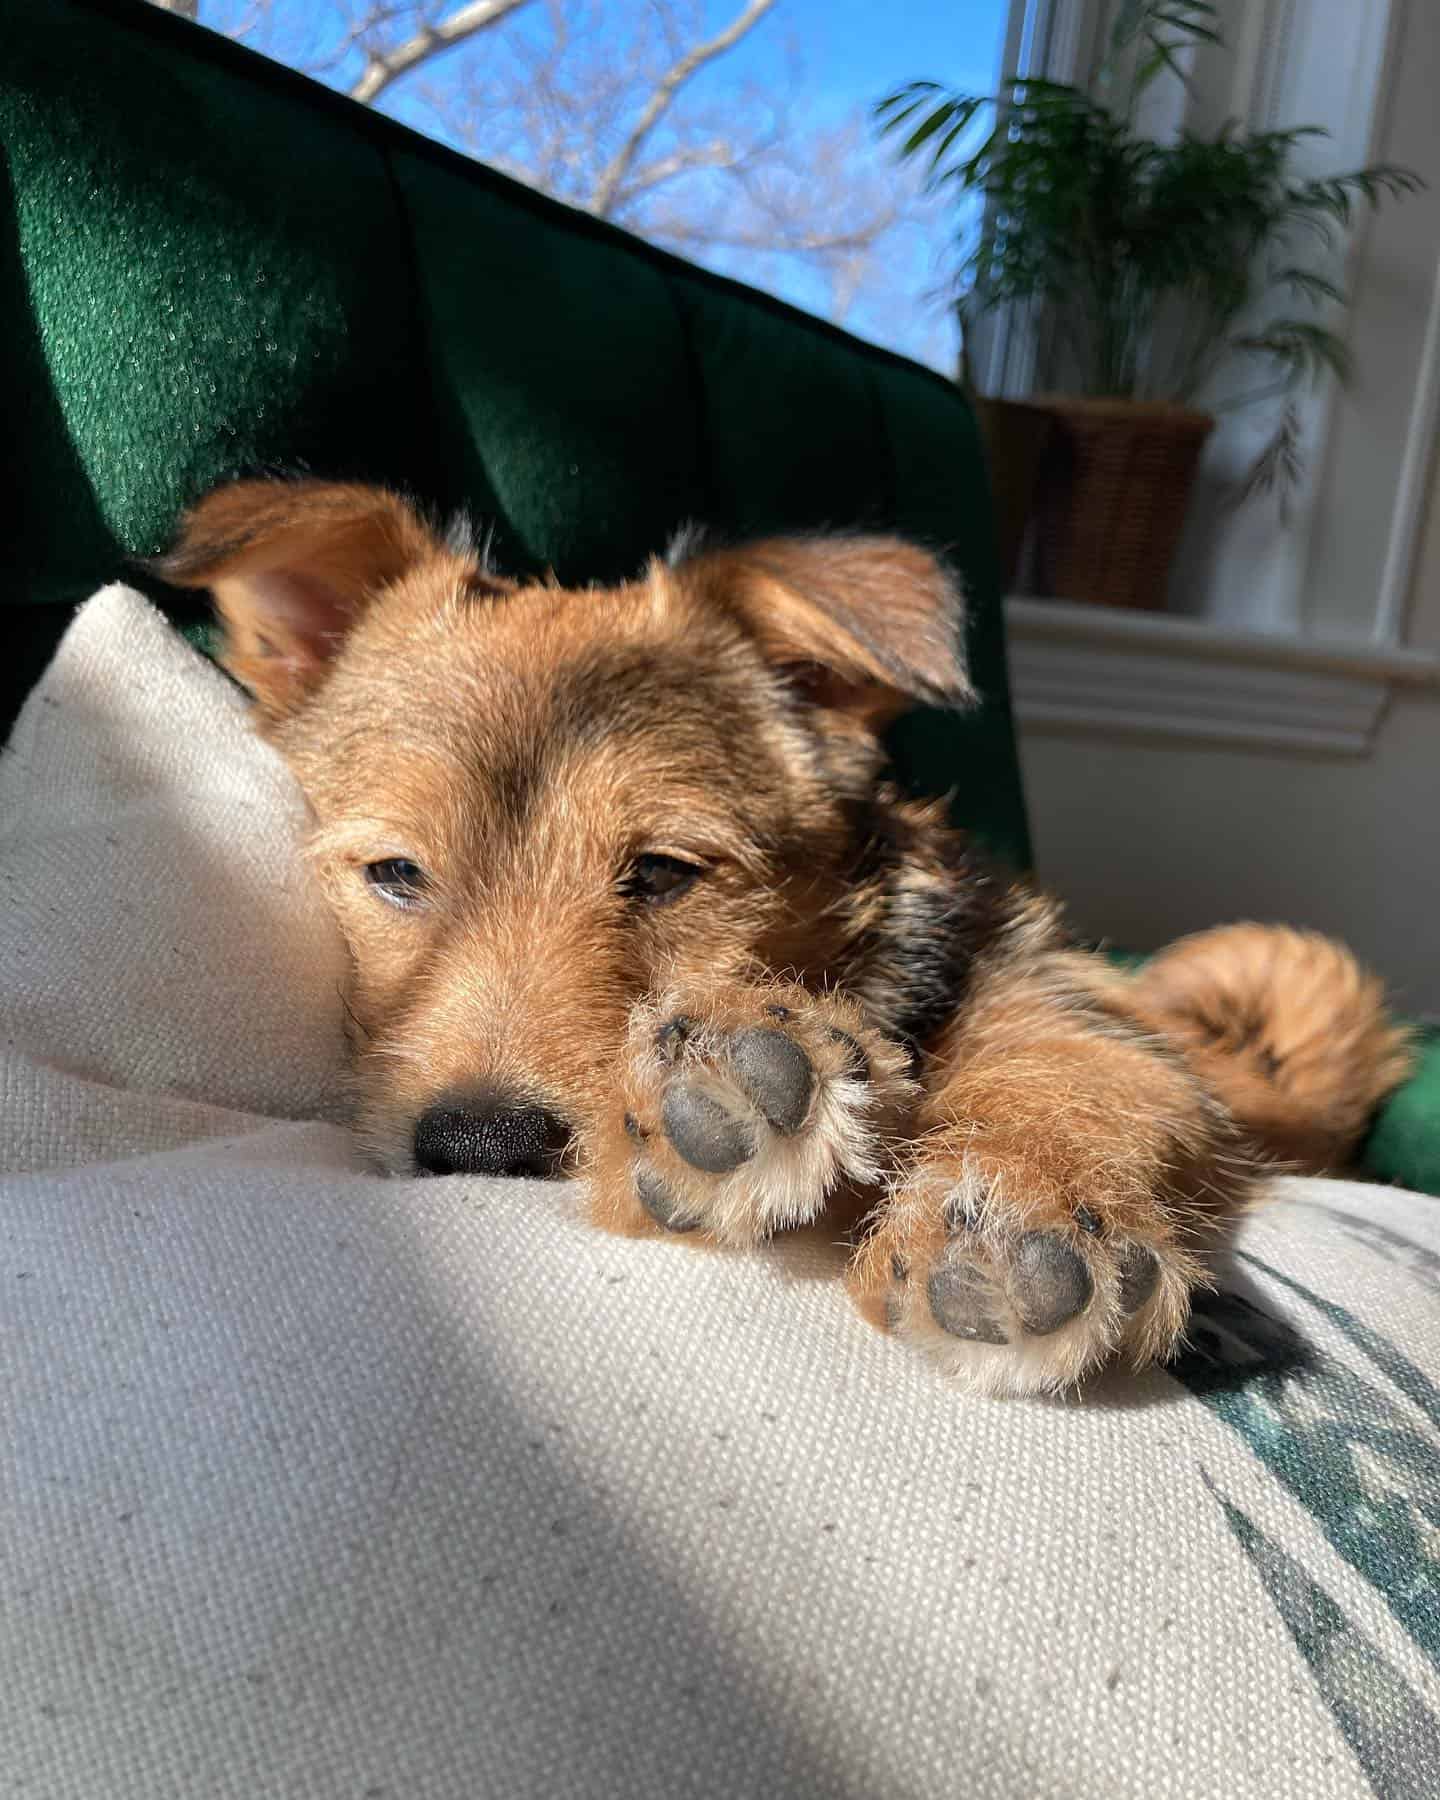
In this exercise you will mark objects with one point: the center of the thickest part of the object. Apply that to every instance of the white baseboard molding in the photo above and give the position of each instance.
(1083, 669)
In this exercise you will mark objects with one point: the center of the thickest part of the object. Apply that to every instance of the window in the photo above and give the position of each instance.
(1339, 566)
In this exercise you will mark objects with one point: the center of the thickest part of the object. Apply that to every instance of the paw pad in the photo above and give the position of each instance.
(1015, 1292)
(962, 1300)
(776, 1073)
(744, 1111)
(710, 1107)
(1049, 1282)
(704, 1131)
(660, 1203)
(1039, 1278)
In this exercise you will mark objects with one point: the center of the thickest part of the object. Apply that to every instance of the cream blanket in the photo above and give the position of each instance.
(319, 1485)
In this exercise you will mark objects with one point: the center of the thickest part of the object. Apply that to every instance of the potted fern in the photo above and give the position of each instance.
(1149, 264)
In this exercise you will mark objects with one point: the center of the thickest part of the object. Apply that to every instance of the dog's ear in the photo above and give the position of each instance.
(864, 625)
(292, 565)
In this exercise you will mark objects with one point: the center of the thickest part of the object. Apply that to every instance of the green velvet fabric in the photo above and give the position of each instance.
(1404, 1143)
(209, 265)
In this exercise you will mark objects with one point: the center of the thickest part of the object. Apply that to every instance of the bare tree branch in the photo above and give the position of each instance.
(374, 20)
(804, 243)
(607, 188)
(385, 66)
(716, 155)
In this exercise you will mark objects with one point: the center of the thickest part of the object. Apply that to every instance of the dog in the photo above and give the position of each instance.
(629, 894)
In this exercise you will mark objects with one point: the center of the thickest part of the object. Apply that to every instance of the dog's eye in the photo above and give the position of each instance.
(396, 879)
(654, 880)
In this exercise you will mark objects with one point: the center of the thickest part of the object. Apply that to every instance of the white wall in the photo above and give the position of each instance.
(1146, 840)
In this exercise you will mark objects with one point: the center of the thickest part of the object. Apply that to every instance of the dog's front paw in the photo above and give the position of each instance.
(743, 1110)
(1014, 1292)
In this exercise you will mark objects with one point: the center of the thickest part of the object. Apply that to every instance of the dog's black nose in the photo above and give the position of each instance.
(490, 1134)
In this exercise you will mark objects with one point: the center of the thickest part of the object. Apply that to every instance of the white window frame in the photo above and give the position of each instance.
(1054, 39)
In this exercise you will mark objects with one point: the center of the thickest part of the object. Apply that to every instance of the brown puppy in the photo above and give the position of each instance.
(627, 894)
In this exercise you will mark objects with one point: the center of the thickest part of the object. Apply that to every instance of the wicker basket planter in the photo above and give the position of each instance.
(1112, 498)
(1017, 438)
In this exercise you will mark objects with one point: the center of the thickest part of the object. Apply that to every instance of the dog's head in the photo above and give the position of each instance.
(534, 805)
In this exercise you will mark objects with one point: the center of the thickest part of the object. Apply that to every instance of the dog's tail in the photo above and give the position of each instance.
(1286, 1027)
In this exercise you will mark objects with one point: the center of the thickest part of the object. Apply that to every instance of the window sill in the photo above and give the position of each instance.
(1083, 669)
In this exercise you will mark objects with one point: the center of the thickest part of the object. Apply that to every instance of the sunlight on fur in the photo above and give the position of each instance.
(629, 894)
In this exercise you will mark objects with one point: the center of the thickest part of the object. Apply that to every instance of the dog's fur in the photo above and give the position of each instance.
(662, 921)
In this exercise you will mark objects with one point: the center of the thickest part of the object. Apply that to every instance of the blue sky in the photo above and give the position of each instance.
(835, 58)
(850, 53)
(848, 61)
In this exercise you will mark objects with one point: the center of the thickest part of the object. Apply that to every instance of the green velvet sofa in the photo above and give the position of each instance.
(209, 265)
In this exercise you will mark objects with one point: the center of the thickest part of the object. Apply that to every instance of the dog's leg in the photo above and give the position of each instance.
(1069, 1175)
(745, 1108)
